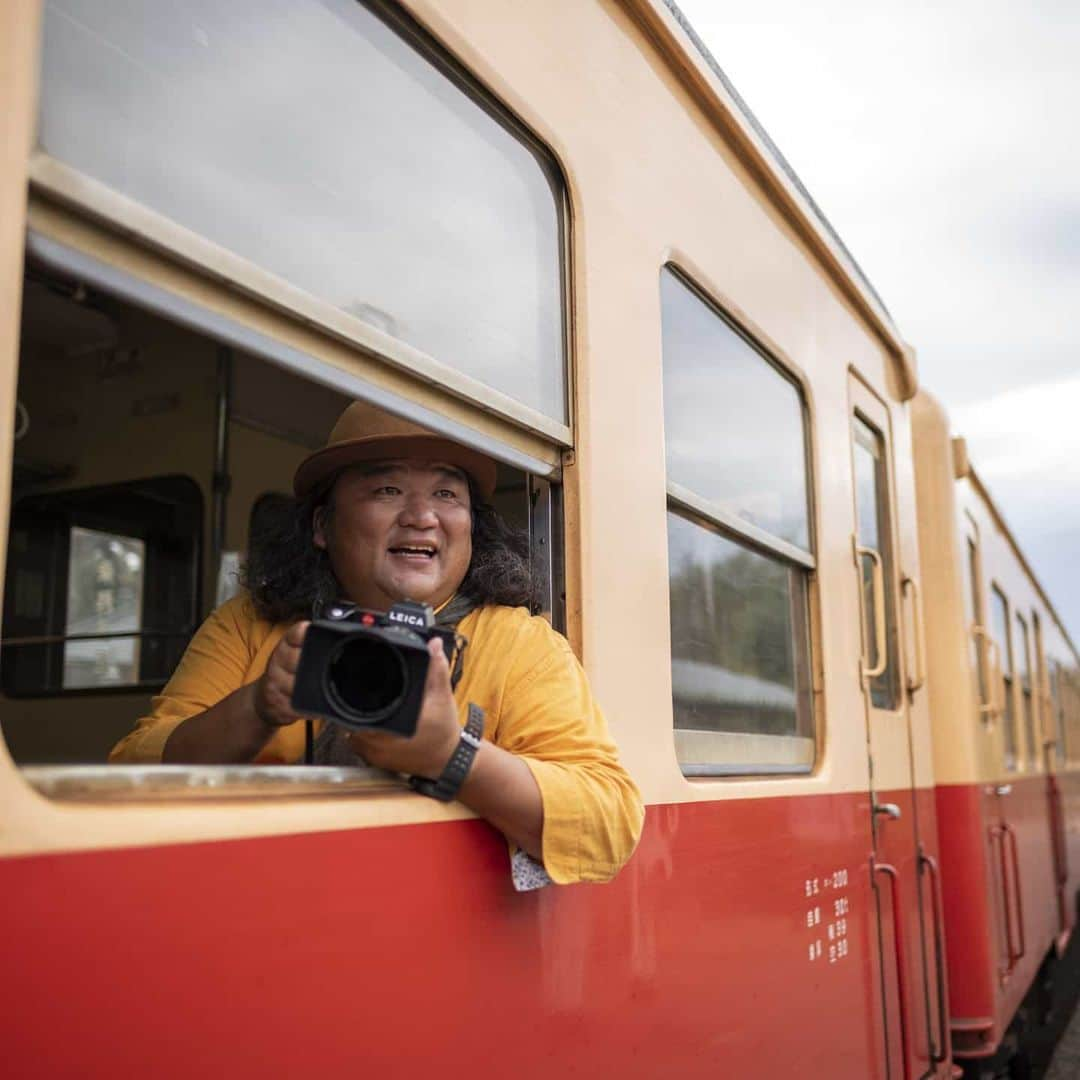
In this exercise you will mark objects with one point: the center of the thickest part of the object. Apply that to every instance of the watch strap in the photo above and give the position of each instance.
(457, 768)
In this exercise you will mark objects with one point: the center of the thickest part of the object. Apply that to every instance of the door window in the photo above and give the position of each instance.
(1027, 704)
(876, 561)
(1001, 627)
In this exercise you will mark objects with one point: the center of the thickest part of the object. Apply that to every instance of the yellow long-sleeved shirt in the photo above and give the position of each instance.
(536, 701)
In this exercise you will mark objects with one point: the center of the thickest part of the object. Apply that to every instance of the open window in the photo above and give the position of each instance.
(148, 455)
(202, 301)
(739, 546)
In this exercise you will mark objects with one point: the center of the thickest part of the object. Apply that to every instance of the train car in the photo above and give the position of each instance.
(558, 236)
(1001, 672)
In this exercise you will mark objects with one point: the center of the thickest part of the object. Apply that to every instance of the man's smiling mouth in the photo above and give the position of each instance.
(421, 552)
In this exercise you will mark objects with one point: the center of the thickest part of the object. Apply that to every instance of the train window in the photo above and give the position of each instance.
(748, 463)
(973, 607)
(1024, 645)
(104, 609)
(739, 547)
(874, 533)
(1070, 710)
(1046, 721)
(1057, 708)
(399, 194)
(109, 572)
(1003, 637)
(100, 586)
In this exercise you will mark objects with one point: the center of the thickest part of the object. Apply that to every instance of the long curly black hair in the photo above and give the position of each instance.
(289, 578)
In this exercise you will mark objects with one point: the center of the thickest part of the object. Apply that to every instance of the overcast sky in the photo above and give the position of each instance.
(941, 141)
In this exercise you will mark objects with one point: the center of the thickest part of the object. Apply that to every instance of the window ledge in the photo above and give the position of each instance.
(160, 783)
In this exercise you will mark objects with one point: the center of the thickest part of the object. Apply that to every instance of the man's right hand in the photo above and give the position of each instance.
(240, 725)
(273, 690)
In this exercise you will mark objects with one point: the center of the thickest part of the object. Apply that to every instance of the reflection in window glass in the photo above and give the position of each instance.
(1000, 614)
(733, 424)
(311, 139)
(105, 586)
(738, 638)
(871, 506)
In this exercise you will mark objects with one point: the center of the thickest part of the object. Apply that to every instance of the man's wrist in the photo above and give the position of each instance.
(259, 708)
(452, 776)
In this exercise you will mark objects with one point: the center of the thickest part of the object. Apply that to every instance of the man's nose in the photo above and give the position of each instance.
(418, 512)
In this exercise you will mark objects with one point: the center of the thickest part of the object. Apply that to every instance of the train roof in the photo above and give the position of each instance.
(965, 470)
(772, 165)
(777, 155)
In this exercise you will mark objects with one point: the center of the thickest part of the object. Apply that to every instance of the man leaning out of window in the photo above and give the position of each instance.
(386, 511)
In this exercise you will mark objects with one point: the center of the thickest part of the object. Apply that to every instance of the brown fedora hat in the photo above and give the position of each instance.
(365, 433)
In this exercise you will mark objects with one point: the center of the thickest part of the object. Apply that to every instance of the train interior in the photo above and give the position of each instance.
(145, 454)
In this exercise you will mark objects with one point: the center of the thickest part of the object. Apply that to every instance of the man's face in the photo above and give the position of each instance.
(399, 530)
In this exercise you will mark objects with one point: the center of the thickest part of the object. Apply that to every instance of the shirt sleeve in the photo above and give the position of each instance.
(213, 666)
(592, 809)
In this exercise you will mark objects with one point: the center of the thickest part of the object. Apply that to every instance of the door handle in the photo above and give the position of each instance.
(941, 1051)
(889, 810)
(916, 681)
(877, 586)
(990, 708)
(1010, 833)
(1010, 887)
(997, 837)
(899, 953)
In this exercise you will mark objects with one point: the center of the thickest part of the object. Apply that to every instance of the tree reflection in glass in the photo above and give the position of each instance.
(738, 663)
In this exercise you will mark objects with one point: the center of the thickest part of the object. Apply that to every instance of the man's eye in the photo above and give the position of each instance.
(446, 493)
(388, 489)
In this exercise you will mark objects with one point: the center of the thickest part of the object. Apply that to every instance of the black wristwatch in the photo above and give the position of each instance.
(457, 768)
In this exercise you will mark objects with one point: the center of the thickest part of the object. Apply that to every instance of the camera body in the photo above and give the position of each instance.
(366, 669)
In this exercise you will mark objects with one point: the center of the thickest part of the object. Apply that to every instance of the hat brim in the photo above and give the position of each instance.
(323, 464)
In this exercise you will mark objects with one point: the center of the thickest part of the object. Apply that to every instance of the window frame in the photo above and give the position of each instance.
(704, 513)
(58, 181)
(157, 783)
(78, 518)
(888, 550)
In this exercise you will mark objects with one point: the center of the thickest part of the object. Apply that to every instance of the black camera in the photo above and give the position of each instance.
(366, 669)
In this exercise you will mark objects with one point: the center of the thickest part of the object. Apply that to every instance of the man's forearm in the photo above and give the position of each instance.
(500, 788)
(229, 733)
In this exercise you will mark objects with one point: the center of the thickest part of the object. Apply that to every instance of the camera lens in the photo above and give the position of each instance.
(366, 679)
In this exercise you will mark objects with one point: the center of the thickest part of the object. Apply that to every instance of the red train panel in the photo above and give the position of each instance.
(719, 950)
(1000, 896)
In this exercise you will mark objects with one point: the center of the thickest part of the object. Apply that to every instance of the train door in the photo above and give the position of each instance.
(912, 1051)
(988, 669)
(1003, 813)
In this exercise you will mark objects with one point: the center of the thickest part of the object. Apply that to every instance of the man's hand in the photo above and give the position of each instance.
(240, 725)
(273, 691)
(500, 787)
(437, 729)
